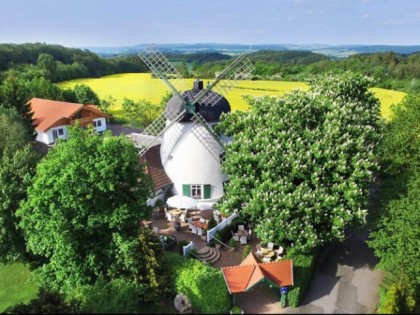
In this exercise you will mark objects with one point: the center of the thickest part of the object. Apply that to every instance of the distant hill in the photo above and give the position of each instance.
(332, 51)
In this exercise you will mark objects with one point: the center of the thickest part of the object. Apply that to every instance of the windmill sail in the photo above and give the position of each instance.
(240, 68)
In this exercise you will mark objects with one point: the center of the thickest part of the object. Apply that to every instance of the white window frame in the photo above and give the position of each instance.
(197, 188)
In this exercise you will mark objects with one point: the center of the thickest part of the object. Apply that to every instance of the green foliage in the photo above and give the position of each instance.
(46, 302)
(303, 269)
(16, 173)
(17, 166)
(202, 284)
(247, 249)
(83, 209)
(396, 242)
(115, 297)
(85, 95)
(236, 310)
(180, 245)
(306, 163)
(142, 112)
(396, 237)
(400, 146)
(232, 243)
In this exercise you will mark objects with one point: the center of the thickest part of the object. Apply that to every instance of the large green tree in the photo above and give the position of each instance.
(300, 165)
(17, 166)
(395, 240)
(83, 210)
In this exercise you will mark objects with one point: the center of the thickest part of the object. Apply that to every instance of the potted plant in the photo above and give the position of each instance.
(236, 310)
(232, 244)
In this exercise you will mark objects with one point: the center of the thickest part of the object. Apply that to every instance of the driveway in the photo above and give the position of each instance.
(118, 130)
(345, 280)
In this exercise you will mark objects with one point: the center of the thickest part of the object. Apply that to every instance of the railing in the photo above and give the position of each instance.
(221, 225)
(187, 248)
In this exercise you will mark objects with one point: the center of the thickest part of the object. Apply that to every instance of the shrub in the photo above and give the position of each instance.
(246, 251)
(212, 223)
(226, 232)
(203, 285)
(389, 300)
(303, 268)
(236, 310)
(181, 244)
(232, 243)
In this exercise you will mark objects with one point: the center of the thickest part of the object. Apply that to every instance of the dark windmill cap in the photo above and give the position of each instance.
(210, 107)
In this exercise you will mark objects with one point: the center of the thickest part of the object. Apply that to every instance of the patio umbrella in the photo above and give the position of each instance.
(179, 201)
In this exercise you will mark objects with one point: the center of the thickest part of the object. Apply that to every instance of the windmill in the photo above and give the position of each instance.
(191, 151)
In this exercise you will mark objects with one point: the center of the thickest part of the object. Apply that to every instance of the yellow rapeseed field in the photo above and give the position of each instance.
(138, 86)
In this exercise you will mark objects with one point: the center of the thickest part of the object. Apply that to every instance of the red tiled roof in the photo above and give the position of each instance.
(47, 112)
(241, 278)
(237, 278)
(155, 168)
(279, 272)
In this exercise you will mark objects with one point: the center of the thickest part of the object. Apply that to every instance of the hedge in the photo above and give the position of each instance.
(303, 269)
(202, 284)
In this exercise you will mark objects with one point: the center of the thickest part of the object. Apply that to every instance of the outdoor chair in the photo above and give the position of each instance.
(270, 246)
(241, 227)
(190, 226)
(266, 259)
(249, 234)
(168, 216)
(259, 249)
(155, 230)
(244, 239)
(194, 229)
(199, 231)
(235, 236)
(279, 251)
(183, 217)
(202, 220)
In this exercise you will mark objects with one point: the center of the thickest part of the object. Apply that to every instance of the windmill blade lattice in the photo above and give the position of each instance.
(163, 69)
(159, 126)
(238, 70)
(207, 136)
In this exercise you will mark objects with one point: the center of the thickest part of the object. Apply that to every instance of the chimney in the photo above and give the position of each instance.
(198, 85)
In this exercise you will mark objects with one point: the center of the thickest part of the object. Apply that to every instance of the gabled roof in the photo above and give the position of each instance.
(243, 277)
(155, 168)
(47, 112)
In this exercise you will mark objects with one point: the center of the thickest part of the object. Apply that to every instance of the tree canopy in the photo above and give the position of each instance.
(300, 165)
(17, 166)
(83, 210)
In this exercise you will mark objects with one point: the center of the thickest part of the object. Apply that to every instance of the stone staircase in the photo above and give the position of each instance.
(208, 254)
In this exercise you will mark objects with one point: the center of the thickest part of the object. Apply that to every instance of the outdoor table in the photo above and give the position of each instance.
(242, 233)
(267, 253)
(175, 212)
(202, 225)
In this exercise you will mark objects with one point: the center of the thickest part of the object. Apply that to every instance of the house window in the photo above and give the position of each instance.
(61, 132)
(97, 123)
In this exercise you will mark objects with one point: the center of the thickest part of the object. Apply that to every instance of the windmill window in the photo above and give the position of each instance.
(197, 191)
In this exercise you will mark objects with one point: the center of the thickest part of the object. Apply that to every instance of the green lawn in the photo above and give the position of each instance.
(17, 285)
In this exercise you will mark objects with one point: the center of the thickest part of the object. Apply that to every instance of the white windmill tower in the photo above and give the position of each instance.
(191, 152)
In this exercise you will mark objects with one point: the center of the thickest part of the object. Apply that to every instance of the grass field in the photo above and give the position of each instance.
(17, 285)
(138, 86)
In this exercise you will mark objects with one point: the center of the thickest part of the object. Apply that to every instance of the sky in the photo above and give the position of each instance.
(113, 23)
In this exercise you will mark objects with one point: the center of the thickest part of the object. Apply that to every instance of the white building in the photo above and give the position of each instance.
(51, 118)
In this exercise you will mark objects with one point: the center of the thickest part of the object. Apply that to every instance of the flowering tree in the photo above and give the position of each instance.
(300, 165)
